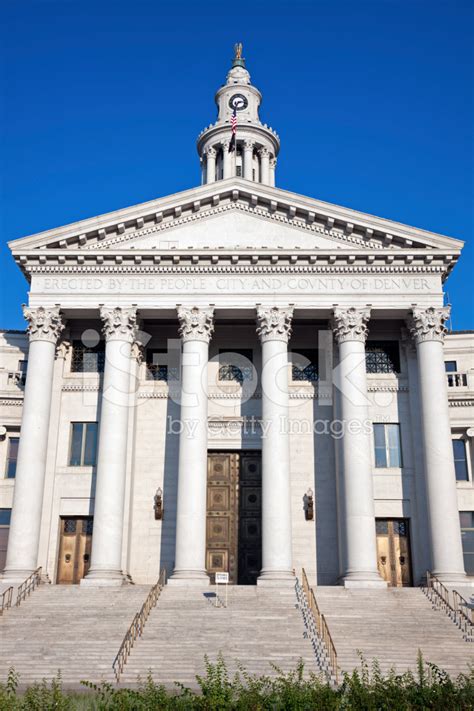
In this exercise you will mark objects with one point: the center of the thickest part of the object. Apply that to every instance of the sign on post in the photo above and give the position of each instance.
(221, 579)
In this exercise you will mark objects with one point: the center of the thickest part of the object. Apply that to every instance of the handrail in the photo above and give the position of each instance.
(28, 585)
(453, 603)
(6, 599)
(321, 624)
(137, 626)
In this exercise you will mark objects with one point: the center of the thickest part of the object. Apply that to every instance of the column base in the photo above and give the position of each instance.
(452, 579)
(363, 580)
(15, 577)
(104, 579)
(276, 578)
(186, 578)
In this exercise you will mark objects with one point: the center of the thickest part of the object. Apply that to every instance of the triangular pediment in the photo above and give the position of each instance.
(235, 214)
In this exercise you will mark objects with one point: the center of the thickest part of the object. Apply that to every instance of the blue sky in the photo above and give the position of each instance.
(101, 103)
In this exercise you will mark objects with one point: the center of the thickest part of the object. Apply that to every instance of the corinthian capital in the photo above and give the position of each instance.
(350, 324)
(274, 324)
(210, 152)
(196, 324)
(43, 324)
(428, 324)
(119, 324)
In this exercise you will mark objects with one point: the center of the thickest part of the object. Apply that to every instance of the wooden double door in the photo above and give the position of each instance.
(234, 516)
(393, 551)
(74, 549)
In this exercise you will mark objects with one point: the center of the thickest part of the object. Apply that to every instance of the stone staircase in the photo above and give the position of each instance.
(391, 625)
(259, 628)
(75, 629)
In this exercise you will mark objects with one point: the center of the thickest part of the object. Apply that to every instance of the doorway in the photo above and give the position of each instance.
(74, 549)
(393, 551)
(234, 516)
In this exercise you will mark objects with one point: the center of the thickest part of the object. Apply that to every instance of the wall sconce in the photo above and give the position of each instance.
(158, 504)
(309, 505)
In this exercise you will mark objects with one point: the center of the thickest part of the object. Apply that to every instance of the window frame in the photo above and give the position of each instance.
(78, 346)
(8, 459)
(244, 352)
(387, 449)
(470, 528)
(83, 443)
(449, 370)
(313, 363)
(467, 453)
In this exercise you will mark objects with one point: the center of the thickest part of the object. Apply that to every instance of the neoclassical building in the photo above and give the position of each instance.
(237, 378)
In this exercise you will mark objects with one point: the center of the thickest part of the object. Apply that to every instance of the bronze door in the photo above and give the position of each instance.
(250, 518)
(74, 549)
(393, 551)
(233, 530)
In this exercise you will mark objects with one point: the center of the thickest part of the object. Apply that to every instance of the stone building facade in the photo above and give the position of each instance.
(240, 379)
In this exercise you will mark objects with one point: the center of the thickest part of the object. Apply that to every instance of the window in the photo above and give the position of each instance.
(388, 451)
(304, 365)
(22, 367)
(236, 364)
(12, 456)
(156, 367)
(87, 360)
(238, 170)
(450, 366)
(5, 515)
(382, 357)
(460, 460)
(83, 444)
(467, 537)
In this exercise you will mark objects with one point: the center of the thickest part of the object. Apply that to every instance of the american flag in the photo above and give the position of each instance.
(233, 124)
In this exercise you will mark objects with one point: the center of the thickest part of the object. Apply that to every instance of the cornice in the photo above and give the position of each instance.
(466, 402)
(11, 402)
(300, 211)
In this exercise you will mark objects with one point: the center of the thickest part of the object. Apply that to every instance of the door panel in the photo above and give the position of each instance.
(393, 551)
(74, 549)
(233, 530)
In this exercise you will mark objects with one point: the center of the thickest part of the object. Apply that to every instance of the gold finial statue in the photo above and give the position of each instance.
(238, 50)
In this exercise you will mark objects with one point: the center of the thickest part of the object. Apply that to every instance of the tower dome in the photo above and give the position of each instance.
(248, 149)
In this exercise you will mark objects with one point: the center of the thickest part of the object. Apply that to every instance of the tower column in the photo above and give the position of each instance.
(357, 499)
(428, 330)
(248, 160)
(210, 165)
(264, 166)
(196, 328)
(44, 328)
(274, 330)
(273, 162)
(226, 159)
(119, 327)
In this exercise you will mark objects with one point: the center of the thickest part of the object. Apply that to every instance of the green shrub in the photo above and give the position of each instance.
(366, 689)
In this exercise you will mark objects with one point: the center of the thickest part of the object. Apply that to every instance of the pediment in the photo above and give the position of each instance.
(235, 214)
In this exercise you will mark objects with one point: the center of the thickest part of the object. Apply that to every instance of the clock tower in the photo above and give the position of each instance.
(254, 153)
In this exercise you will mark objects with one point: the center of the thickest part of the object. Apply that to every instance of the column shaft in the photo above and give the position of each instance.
(22, 555)
(190, 558)
(274, 328)
(248, 160)
(264, 166)
(427, 328)
(106, 556)
(357, 496)
(227, 160)
(210, 165)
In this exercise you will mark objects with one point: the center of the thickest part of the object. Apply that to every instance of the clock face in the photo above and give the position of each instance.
(238, 102)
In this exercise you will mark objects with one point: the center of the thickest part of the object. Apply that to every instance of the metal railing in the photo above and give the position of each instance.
(452, 603)
(321, 625)
(27, 586)
(137, 626)
(6, 599)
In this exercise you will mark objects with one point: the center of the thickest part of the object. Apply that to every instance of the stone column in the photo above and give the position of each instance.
(44, 327)
(274, 330)
(428, 330)
(119, 327)
(210, 165)
(264, 166)
(357, 496)
(248, 160)
(273, 162)
(196, 328)
(226, 160)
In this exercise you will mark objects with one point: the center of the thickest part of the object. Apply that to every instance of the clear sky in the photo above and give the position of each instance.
(101, 103)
